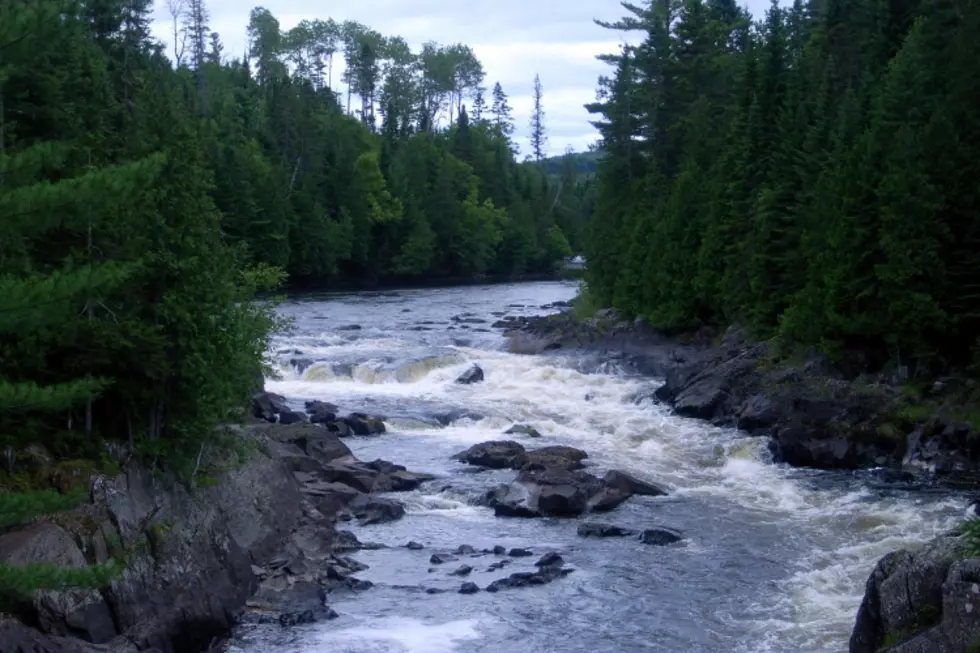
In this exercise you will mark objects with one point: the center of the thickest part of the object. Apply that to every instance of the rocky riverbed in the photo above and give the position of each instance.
(443, 470)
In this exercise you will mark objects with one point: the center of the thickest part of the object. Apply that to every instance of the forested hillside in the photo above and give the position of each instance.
(813, 174)
(144, 195)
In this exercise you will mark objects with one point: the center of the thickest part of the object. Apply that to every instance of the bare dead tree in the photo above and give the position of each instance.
(176, 10)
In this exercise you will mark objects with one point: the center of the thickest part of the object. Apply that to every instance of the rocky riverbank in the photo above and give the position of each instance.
(259, 544)
(816, 415)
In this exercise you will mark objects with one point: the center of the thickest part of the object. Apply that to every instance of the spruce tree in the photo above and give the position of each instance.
(538, 136)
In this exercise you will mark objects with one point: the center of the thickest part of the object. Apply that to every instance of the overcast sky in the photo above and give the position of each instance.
(513, 38)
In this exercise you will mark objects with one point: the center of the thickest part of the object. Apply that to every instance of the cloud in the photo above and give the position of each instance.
(515, 39)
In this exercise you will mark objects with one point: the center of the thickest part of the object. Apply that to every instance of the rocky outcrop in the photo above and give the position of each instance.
(554, 492)
(815, 414)
(260, 538)
(921, 601)
(471, 376)
(507, 454)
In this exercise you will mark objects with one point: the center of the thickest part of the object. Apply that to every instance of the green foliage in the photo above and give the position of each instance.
(19, 507)
(804, 175)
(24, 580)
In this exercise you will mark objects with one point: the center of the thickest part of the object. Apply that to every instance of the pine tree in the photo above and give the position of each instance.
(538, 137)
(501, 112)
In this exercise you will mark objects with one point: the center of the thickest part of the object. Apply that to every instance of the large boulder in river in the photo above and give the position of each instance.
(361, 424)
(554, 492)
(321, 412)
(548, 457)
(470, 376)
(631, 484)
(496, 454)
(375, 510)
(313, 441)
(926, 600)
(268, 406)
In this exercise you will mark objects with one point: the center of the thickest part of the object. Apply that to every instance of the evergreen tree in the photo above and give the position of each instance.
(538, 137)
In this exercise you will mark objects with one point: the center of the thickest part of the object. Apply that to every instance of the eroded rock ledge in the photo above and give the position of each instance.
(815, 415)
(259, 543)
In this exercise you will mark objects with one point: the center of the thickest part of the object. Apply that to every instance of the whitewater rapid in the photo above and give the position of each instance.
(774, 560)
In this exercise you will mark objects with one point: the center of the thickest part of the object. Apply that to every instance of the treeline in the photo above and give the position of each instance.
(393, 176)
(146, 196)
(813, 175)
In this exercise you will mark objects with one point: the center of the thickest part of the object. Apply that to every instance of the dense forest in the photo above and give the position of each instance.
(812, 175)
(146, 194)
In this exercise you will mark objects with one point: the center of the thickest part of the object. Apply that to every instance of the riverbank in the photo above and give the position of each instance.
(815, 415)
(258, 543)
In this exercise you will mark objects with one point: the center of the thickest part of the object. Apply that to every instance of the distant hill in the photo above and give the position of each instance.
(586, 162)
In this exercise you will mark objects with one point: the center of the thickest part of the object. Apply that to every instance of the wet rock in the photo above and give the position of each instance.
(469, 588)
(267, 406)
(465, 549)
(557, 456)
(414, 546)
(462, 570)
(321, 412)
(553, 492)
(920, 600)
(357, 476)
(593, 529)
(660, 536)
(340, 427)
(288, 416)
(523, 429)
(350, 327)
(311, 440)
(456, 415)
(628, 483)
(330, 498)
(543, 576)
(435, 590)
(296, 618)
(499, 550)
(442, 558)
(549, 559)
(301, 364)
(361, 424)
(520, 553)
(470, 376)
(496, 454)
(375, 510)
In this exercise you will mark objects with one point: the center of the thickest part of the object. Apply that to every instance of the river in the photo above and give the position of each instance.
(774, 561)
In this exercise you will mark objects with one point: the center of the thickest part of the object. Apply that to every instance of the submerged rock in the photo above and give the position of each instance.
(660, 536)
(593, 529)
(523, 429)
(469, 588)
(470, 376)
(442, 558)
(414, 546)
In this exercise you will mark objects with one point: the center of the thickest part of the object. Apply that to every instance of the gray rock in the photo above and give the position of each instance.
(361, 424)
(523, 429)
(321, 412)
(292, 417)
(593, 529)
(469, 588)
(470, 376)
(465, 549)
(414, 546)
(267, 406)
(918, 600)
(462, 570)
(496, 454)
(442, 558)
(553, 492)
(375, 510)
(549, 559)
(520, 553)
(82, 612)
(632, 485)
(660, 536)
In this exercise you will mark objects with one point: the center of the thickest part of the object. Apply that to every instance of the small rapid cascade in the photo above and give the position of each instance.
(773, 560)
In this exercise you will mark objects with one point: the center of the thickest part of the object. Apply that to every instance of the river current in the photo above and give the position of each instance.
(774, 561)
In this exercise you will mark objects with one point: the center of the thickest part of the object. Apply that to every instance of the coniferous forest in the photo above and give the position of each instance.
(812, 175)
(145, 195)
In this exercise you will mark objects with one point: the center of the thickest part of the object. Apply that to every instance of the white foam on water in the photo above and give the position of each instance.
(847, 528)
(399, 635)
